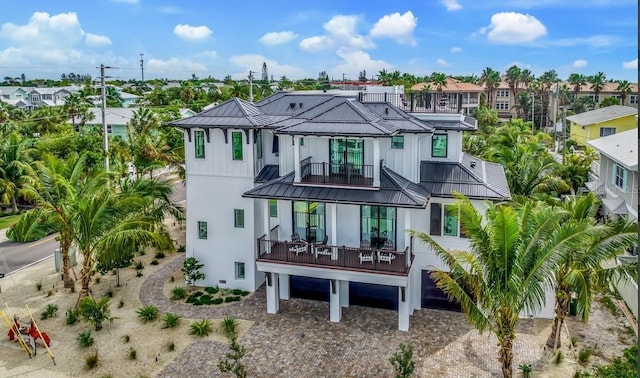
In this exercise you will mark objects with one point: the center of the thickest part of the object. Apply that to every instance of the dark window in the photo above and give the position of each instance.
(236, 143)
(293, 141)
(199, 144)
(346, 153)
(275, 146)
(450, 220)
(202, 230)
(239, 270)
(439, 145)
(436, 219)
(238, 218)
(606, 131)
(259, 144)
(397, 142)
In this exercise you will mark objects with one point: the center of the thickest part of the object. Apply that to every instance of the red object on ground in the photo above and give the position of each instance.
(34, 333)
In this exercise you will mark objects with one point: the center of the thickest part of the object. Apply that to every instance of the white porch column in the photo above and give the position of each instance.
(283, 282)
(376, 162)
(273, 294)
(265, 219)
(344, 293)
(403, 309)
(407, 236)
(334, 301)
(296, 158)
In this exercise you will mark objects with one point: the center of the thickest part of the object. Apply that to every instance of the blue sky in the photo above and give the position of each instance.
(301, 38)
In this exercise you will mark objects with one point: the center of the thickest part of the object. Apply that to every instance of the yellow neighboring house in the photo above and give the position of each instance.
(602, 122)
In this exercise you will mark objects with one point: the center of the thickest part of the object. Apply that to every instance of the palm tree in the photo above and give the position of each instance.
(523, 104)
(526, 77)
(513, 78)
(583, 270)
(547, 79)
(509, 265)
(491, 80)
(15, 169)
(439, 79)
(597, 82)
(577, 81)
(624, 88)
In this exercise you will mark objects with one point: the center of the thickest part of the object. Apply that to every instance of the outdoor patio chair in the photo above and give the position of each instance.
(385, 256)
(365, 244)
(297, 246)
(322, 248)
(388, 245)
(365, 256)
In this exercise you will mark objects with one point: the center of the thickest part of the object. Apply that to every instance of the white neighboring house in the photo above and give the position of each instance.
(615, 177)
(344, 177)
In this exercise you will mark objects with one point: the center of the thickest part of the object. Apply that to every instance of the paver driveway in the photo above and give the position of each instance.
(300, 341)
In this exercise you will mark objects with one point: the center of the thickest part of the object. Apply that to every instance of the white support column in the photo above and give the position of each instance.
(265, 219)
(376, 162)
(344, 293)
(407, 236)
(334, 301)
(273, 294)
(283, 282)
(403, 309)
(296, 158)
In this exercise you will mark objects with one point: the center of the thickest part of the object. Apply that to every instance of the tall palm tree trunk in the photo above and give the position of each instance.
(14, 204)
(562, 304)
(506, 354)
(66, 263)
(85, 275)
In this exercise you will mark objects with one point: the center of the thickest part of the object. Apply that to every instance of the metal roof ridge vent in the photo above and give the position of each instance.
(292, 105)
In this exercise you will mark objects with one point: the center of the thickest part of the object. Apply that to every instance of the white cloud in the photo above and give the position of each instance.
(442, 62)
(169, 67)
(316, 43)
(579, 63)
(253, 62)
(451, 5)
(354, 61)
(97, 40)
(192, 33)
(209, 55)
(396, 26)
(630, 65)
(278, 38)
(514, 28)
(455, 49)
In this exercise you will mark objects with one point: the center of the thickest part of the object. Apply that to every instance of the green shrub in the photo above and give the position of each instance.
(39, 286)
(233, 298)
(139, 265)
(558, 358)
(109, 293)
(236, 292)
(182, 248)
(229, 327)
(171, 346)
(97, 280)
(194, 297)
(132, 354)
(178, 292)
(622, 367)
(85, 339)
(525, 369)
(583, 355)
(211, 290)
(148, 313)
(191, 269)
(170, 320)
(159, 255)
(71, 316)
(402, 361)
(91, 361)
(139, 273)
(201, 328)
(95, 312)
(121, 303)
(126, 338)
(49, 312)
(217, 301)
(154, 262)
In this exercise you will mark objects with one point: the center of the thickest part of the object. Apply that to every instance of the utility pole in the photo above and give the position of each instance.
(142, 66)
(564, 133)
(251, 87)
(105, 135)
(533, 112)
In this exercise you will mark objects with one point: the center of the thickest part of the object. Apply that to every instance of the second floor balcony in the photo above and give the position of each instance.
(336, 173)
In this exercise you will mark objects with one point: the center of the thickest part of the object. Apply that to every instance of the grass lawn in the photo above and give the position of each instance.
(8, 221)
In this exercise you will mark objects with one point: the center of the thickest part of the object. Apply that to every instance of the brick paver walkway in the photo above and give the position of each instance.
(300, 341)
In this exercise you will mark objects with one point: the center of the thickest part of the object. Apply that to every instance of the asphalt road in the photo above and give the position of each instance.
(15, 256)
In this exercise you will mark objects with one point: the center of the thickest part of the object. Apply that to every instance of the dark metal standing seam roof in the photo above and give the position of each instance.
(233, 113)
(395, 191)
(268, 173)
(482, 181)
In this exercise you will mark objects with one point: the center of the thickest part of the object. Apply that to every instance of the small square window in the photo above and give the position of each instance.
(293, 141)
(397, 142)
(238, 218)
(236, 143)
(273, 208)
(239, 270)
(202, 230)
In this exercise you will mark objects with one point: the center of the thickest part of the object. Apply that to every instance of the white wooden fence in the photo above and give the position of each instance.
(628, 289)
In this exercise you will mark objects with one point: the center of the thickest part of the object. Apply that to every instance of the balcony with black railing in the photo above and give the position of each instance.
(372, 260)
(336, 174)
(423, 102)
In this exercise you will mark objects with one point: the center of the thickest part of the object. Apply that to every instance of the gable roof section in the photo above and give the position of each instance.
(621, 148)
(607, 113)
(471, 177)
(395, 191)
(280, 103)
(268, 173)
(233, 113)
(404, 121)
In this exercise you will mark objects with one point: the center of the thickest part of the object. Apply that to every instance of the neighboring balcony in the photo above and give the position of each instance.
(336, 174)
(370, 260)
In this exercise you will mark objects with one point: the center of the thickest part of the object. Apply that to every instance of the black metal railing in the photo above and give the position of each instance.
(328, 173)
(335, 257)
(421, 102)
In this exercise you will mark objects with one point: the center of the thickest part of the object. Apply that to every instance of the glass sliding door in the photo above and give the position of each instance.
(377, 225)
(346, 153)
(309, 221)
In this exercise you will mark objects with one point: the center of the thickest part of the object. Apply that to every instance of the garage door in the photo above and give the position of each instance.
(316, 289)
(433, 297)
(360, 294)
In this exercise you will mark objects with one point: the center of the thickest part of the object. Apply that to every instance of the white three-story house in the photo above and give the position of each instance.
(314, 193)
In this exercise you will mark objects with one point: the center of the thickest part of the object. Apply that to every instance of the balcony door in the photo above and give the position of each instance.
(346, 153)
(309, 221)
(378, 224)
